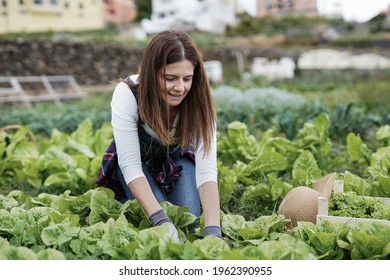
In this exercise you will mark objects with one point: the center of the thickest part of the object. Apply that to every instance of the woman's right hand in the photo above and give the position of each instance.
(173, 231)
(161, 218)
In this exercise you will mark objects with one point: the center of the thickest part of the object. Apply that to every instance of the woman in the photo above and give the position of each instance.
(164, 126)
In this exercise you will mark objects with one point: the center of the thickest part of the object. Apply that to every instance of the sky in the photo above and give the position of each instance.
(351, 10)
(355, 10)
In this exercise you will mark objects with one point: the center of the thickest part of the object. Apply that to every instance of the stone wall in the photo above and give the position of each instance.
(93, 64)
(89, 64)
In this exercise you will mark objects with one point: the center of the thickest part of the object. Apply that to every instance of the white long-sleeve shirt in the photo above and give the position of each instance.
(124, 113)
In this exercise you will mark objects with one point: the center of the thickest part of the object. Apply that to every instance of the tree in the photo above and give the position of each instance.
(144, 8)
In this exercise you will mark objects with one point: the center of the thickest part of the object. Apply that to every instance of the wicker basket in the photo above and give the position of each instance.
(18, 126)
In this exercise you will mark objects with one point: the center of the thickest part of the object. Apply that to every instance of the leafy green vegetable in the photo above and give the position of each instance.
(305, 171)
(349, 204)
(254, 232)
(383, 135)
(379, 169)
(358, 150)
(315, 136)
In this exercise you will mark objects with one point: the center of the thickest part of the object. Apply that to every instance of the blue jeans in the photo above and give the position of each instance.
(185, 192)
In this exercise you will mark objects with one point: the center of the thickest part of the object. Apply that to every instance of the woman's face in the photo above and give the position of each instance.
(177, 79)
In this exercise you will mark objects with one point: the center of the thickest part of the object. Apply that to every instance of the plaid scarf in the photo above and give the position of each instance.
(164, 170)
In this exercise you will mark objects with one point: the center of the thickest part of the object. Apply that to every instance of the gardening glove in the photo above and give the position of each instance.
(161, 218)
(213, 230)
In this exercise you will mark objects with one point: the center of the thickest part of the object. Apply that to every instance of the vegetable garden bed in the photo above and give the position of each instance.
(62, 215)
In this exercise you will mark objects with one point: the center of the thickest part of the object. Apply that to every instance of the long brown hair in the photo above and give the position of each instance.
(197, 113)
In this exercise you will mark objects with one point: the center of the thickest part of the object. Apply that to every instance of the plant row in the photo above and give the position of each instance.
(65, 216)
(95, 226)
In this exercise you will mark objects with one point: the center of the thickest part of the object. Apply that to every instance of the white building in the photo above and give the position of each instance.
(204, 15)
(334, 59)
(283, 68)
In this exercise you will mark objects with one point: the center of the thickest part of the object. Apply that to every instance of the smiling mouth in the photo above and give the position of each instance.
(175, 95)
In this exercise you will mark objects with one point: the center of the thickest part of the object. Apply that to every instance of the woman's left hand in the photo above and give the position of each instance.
(213, 230)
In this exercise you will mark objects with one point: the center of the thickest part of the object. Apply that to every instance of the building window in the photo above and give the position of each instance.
(4, 3)
(46, 6)
(268, 5)
(21, 2)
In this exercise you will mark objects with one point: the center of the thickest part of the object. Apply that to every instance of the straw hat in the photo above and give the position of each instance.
(301, 203)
